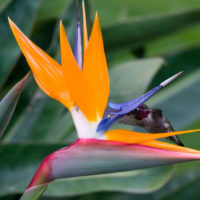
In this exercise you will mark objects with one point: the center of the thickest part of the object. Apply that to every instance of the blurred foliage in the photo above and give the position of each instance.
(145, 42)
(8, 104)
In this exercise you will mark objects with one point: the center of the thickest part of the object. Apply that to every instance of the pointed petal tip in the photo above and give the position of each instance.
(13, 26)
(62, 29)
(11, 23)
(9, 20)
(97, 76)
(166, 82)
(23, 81)
(45, 69)
(18, 34)
(26, 77)
(61, 24)
(96, 17)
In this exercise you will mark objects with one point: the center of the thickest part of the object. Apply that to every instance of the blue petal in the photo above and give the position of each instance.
(119, 106)
(106, 123)
(122, 109)
(118, 110)
(129, 106)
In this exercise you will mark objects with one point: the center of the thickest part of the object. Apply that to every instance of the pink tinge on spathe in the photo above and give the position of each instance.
(92, 156)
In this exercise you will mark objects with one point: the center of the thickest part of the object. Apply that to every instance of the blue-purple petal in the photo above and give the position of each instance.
(117, 110)
(106, 123)
(129, 106)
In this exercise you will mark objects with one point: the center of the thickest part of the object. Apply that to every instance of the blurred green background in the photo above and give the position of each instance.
(145, 43)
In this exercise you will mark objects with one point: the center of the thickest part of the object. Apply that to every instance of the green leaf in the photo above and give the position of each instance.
(186, 60)
(138, 32)
(22, 12)
(4, 4)
(18, 163)
(35, 193)
(8, 104)
(175, 42)
(183, 185)
(188, 191)
(51, 9)
(115, 10)
(139, 181)
(131, 79)
(34, 124)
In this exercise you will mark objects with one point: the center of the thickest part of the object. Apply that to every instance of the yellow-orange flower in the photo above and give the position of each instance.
(86, 89)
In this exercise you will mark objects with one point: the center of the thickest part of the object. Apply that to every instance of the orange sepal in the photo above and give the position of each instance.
(95, 68)
(46, 70)
(168, 146)
(147, 139)
(80, 90)
(85, 34)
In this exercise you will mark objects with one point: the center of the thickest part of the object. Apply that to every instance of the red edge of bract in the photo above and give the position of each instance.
(43, 174)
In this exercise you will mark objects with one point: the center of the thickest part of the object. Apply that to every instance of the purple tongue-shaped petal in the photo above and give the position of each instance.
(78, 41)
(126, 107)
(118, 110)
(119, 106)
(106, 123)
(133, 104)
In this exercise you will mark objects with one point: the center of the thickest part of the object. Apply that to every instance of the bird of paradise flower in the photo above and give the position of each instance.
(82, 85)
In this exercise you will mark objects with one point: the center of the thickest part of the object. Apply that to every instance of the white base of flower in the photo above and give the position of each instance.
(84, 128)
